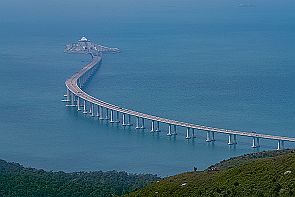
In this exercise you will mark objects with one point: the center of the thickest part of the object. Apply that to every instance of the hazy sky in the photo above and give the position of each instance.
(31, 11)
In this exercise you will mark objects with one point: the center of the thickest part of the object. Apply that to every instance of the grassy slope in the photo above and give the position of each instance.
(260, 174)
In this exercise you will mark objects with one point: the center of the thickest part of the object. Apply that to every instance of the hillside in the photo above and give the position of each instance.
(269, 173)
(260, 174)
(16, 180)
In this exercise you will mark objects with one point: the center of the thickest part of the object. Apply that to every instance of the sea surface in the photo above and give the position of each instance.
(221, 63)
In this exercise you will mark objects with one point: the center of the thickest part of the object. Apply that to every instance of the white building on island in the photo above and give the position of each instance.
(84, 39)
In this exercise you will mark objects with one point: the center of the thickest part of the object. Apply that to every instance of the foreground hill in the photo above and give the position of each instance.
(15, 180)
(259, 174)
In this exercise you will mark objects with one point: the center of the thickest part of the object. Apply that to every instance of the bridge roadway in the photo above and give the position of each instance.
(73, 87)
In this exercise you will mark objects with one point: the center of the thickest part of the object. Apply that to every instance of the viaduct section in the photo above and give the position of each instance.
(87, 104)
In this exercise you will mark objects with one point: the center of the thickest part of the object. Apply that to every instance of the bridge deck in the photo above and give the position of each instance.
(72, 85)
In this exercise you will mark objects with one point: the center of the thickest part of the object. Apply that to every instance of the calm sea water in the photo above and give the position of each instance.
(222, 63)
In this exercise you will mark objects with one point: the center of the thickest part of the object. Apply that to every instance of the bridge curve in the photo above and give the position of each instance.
(75, 96)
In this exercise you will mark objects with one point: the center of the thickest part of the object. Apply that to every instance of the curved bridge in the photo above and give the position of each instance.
(76, 97)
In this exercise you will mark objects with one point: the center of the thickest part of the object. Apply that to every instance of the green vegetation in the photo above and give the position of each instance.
(259, 174)
(266, 174)
(15, 180)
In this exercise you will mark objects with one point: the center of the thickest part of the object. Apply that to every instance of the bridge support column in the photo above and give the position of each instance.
(73, 100)
(142, 126)
(112, 117)
(101, 113)
(235, 139)
(230, 142)
(78, 104)
(92, 109)
(169, 130)
(68, 95)
(158, 127)
(280, 145)
(153, 126)
(212, 136)
(187, 134)
(107, 114)
(69, 102)
(137, 123)
(175, 131)
(129, 120)
(97, 111)
(193, 133)
(255, 142)
(123, 120)
(84, 108)
(117, 117)
(208, 138)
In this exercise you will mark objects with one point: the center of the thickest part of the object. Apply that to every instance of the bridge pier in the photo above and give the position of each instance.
(68, 95)
(92, 109)
(229, 139)
(129, 120)
(97, 111)
(84, 107)
(78, 104)
(187, 133)
(73, 100)
(169, 130)
(213, 136)
(255, 142)
(208, 137)
(193, 133)
(280, 145)
(232, 139)
(123, 120)
(153, 126)
(112, 117)
(137, 123)
(101, 113)
(158, 127)
(107, 114)
(175, 132)
(142, 126)
(117, 117)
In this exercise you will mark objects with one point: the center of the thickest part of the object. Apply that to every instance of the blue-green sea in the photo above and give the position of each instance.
(221, 63)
